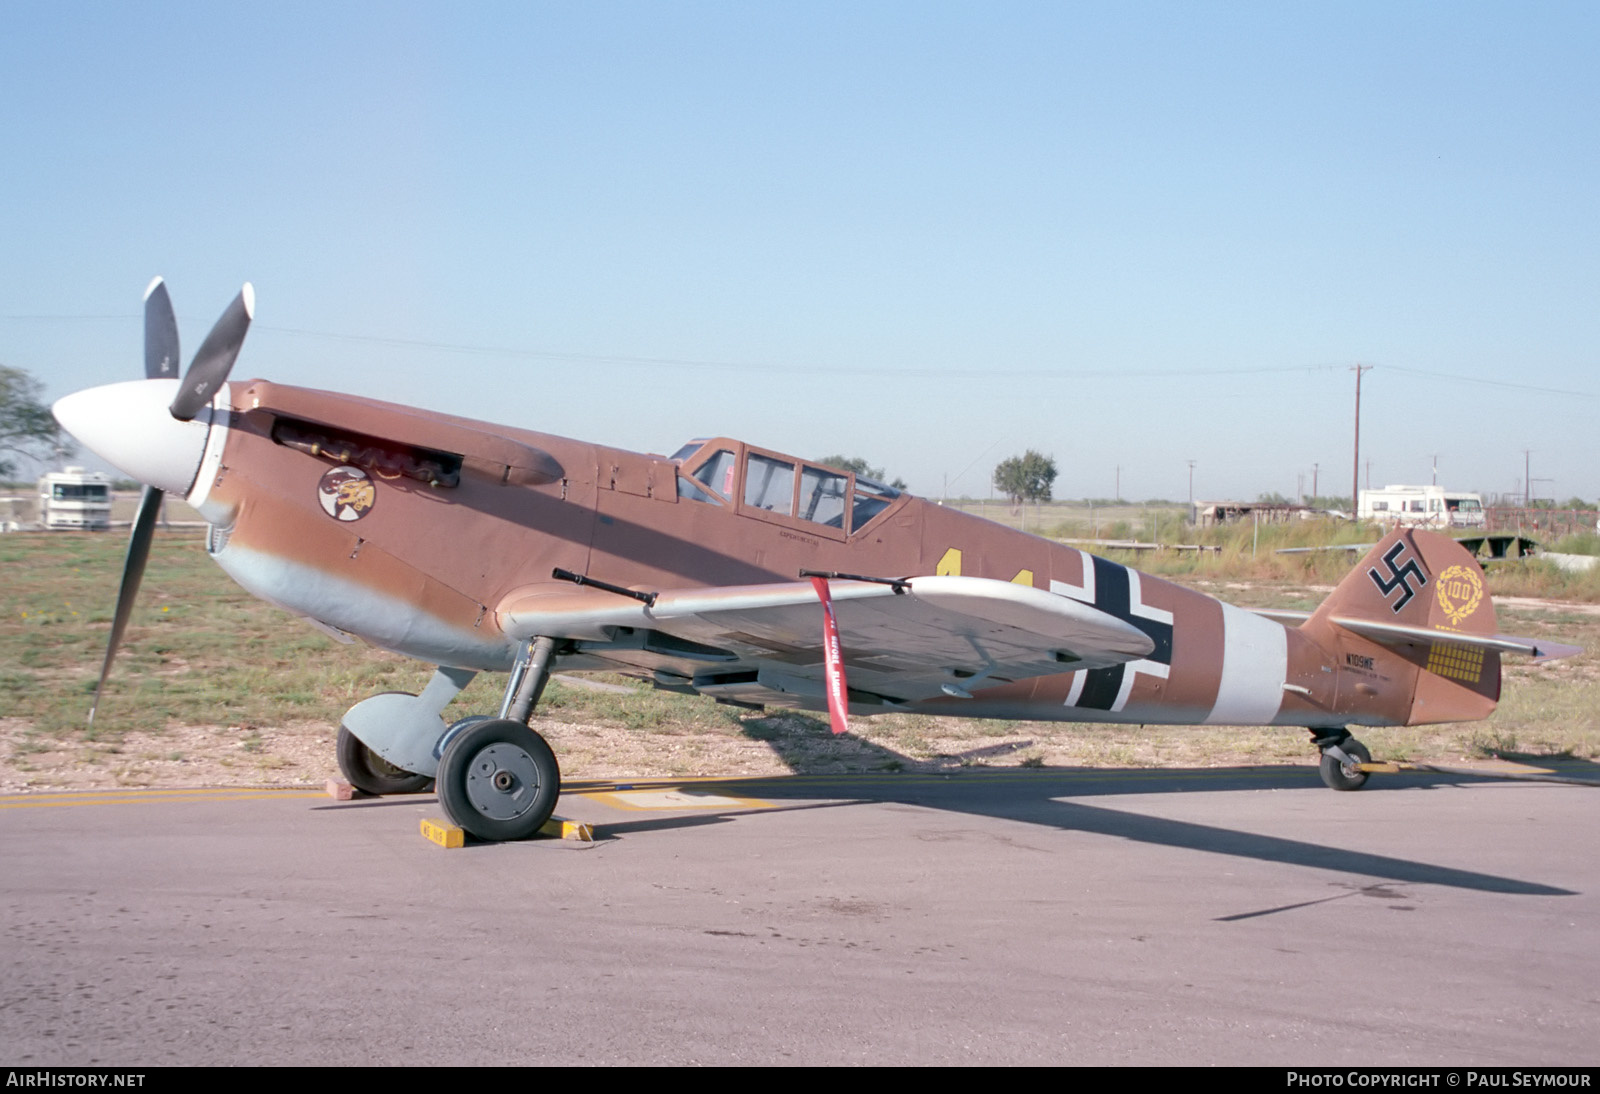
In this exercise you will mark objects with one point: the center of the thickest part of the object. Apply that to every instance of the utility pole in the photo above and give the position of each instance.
(1314, 494)
(1355, 470)
(1191, 491)
(1527, 483)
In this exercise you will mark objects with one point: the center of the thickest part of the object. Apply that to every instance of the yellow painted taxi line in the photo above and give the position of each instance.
(872, 779)
(146, 797)
(192, 791)
(657, 798)
(696, 791)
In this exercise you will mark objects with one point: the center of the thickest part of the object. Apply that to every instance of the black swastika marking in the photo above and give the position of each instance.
(1399, 577)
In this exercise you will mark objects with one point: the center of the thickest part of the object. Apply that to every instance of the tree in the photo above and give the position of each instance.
(859, 467)
(1025, 478)
(26, 426)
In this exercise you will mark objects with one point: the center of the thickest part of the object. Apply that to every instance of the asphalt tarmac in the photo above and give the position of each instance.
(1017, 916)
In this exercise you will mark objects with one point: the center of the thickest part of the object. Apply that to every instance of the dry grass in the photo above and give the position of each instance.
(214, 687)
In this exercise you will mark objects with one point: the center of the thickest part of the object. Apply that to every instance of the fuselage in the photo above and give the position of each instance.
(410, 529)
(420, 568)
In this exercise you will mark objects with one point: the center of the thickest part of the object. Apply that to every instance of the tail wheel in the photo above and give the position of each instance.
(499, 780)
(371, 773)
(1339, 776)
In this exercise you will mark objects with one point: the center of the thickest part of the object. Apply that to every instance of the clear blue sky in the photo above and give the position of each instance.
(928, 234)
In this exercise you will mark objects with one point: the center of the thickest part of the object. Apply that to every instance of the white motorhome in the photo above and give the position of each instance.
(1422, 506)
(75, 498)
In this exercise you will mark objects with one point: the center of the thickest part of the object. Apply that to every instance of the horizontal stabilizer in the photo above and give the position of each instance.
(1287, 616)
(1396, 634)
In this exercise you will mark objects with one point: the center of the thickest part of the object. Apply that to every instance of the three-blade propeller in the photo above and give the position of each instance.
(207, 372)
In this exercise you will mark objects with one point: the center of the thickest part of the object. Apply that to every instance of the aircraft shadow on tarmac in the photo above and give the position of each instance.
(1566, 763)
(1034, 796)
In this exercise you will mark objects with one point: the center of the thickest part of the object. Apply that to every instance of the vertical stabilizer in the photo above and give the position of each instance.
(1423, 580)
(1416, 579)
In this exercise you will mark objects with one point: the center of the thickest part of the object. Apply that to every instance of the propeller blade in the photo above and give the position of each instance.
(214, 359)
(144, 527)
(160, 334)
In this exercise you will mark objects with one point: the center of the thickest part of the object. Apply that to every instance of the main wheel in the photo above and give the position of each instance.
(367, 771)
(499, 780)
(1334, 772)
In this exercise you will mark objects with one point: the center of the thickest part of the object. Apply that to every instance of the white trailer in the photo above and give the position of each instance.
(76, 499)
(1422, 506)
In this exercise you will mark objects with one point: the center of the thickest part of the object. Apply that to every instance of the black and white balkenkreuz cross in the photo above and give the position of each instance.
(1115, 590)
(1399, 577)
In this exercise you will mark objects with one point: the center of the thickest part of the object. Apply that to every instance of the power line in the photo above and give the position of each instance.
(628, 360)
(759, 367)
(751, 366)
(1492, 383)
(65, 318)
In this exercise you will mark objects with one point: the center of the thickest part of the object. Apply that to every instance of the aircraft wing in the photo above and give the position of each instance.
(900, 642)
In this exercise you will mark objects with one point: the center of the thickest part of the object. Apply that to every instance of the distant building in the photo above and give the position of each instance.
(1422, 506)
(75, 498)
(1211, 513)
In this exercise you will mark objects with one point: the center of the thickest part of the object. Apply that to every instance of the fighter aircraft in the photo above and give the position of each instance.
(726, 570)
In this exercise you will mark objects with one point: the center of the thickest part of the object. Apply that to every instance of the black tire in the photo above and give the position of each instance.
(1333, 772)
(499, 780)
(371, 773)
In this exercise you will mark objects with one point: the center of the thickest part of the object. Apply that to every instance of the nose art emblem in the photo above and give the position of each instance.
(347, 493)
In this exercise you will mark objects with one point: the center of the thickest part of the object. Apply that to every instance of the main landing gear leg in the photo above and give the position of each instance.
(1342, 756)
(498, 779)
